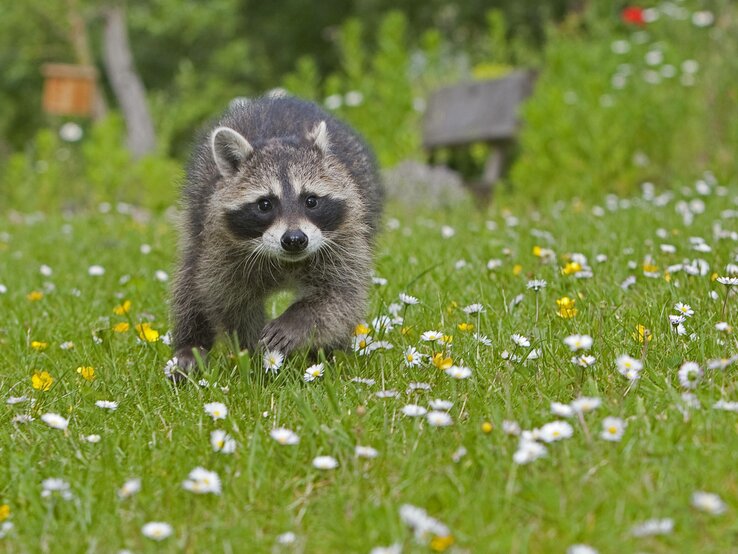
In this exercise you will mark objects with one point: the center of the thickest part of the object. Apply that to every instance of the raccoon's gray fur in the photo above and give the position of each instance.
(279, 194)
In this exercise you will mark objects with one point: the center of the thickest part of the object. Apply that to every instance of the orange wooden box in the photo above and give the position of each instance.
(69, 89)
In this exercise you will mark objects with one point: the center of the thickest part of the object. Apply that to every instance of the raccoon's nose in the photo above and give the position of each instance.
(294, 241)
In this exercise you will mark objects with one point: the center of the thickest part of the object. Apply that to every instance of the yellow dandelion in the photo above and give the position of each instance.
(39, 345)
(4, 512)
(537, 251)
(517, 269)
(121, 327)
(713, 276)
(642, 334)
(123, 308)
(147, 333)
(88, 373)
(667, 277)
(35, 295)
(465, 326)
(441, 361)
(567, 307)
(406, 330)
(440, 544)
(571, 268)
(42, 380)
(487, 427)
(361, 329)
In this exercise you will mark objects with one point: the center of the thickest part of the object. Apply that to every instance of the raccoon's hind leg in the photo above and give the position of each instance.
(192, 331)
(247, 321)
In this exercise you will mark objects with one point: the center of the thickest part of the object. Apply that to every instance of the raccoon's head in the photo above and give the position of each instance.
(285, 197)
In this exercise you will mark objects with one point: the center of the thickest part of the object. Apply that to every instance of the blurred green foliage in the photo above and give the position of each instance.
(597, 120)
(617, 105)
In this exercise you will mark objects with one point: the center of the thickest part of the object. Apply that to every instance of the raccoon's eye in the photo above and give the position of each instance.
(265, 205)
(311, 201)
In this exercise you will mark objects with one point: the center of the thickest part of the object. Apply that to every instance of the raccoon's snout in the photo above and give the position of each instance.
(294, 241)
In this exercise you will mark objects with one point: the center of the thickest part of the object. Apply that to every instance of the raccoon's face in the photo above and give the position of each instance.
(284, 197)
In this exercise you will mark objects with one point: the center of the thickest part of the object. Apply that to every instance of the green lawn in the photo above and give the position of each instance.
(584, 490)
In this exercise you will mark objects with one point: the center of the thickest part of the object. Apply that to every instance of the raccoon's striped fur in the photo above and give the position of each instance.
(279, 195)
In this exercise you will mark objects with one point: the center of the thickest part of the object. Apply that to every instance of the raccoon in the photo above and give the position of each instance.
(279, 195)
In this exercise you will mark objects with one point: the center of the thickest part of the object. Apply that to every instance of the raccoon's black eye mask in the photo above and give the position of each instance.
(251, 220)
(327, 213)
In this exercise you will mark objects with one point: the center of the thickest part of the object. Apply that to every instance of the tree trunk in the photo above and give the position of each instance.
(126, 83)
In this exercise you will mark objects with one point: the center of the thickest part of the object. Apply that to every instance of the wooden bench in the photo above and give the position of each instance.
(479, 111)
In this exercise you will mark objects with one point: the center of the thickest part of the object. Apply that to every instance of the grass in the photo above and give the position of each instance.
(586, 490)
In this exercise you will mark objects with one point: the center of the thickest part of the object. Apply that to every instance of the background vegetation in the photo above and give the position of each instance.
(598, 119)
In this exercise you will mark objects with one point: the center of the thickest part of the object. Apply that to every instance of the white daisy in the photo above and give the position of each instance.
(287, 538)
(441, 405)
(431, 336)
(284, 436)
(365, 452)
(652, 527)
(581, 549)
(53, 486)
(273, 360)
(585, 404)
(56, 421)
(584, 360)
(325, 462)
(313, 372)
(107, 405)
(129, 488)
(555, 431)
(222, 442)
(708, 502)
(613, 429)
(536, 284)
(458, 372)
(561, 410)
(690, 375)
(528, 451)
(202, 481)
(684, 309)
(412, 357)
(578, 342)
(520, 340)
(216, 410)
(156, 530)
(408, 300)
(436, 418)
(511, 427)
(628, 366)
(473, 309)
(413, 410)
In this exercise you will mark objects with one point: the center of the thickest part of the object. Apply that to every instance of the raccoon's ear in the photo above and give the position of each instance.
(230, 150)
(319, 136)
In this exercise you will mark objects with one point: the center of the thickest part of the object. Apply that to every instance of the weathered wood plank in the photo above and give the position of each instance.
(468, 112)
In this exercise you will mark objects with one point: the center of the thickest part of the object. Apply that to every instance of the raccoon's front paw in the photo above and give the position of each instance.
(183, 364)
(282, 337)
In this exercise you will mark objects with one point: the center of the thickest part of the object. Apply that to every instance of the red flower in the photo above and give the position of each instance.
(633, 15)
